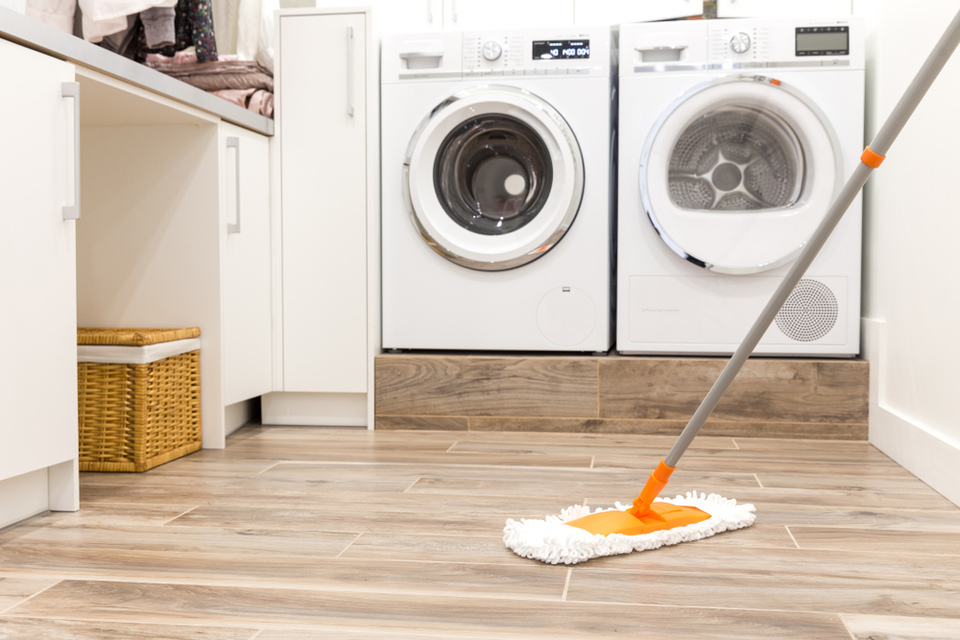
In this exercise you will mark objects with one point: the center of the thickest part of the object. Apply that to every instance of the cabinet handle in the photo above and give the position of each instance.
(72, 90)
(233, 142)
(350, 48)
(456, 17)
(430, 11)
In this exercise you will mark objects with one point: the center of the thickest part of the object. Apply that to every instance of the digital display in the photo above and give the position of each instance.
(561, 49)
(823, 41)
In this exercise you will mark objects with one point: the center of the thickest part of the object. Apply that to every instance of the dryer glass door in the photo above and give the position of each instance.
(493, 178)
(737, 174)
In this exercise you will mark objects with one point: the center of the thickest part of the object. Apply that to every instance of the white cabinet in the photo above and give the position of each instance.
(155, 247)
(598, 12)
(329, 172)
(396, 16)
(780, 9)
(38, 366)
(507, 14)
(246, 263)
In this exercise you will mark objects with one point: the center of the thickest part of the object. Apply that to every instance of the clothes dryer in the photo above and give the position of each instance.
(735, 136)
(497, 199)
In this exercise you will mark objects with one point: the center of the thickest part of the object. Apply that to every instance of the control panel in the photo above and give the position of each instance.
(534, 53)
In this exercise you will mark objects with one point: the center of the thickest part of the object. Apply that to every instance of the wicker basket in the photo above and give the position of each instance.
(139, 398)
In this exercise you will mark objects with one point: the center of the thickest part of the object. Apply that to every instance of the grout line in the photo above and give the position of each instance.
(163, 524)
(4, 612)
(847, 628)
(275, 464)
(419, 478)
(735, 445)
(566, 585)
(758, 481)
(790, 533)
(337, 557)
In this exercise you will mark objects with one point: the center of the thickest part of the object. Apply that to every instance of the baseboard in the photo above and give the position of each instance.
(920, 450)
(238, 414)
(315, 409)
(23, 496)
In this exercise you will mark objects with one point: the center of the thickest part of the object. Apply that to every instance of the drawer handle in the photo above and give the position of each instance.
(233, 142)
(350, 54)
(72, 90)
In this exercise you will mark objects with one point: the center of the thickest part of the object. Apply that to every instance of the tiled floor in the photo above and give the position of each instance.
(313, 533)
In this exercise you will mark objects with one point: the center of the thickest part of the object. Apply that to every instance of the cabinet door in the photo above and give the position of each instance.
(599, 12)
(245, 229)
(510, 14)
(397, 16)
(38, 316)
(324, 203)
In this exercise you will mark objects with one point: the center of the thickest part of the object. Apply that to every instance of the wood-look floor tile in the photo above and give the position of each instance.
(770, 591)
(579, 484)
(759, 465)
(34, 628)
(422, 423)
(116, 514)
(846, 481)
(791, 565)
(486, 386)
(453, 617)
(345, 634)
(15, 589)
(791, 390)
(667, 427)
(386, 455)
(881, 627)
(876, 541)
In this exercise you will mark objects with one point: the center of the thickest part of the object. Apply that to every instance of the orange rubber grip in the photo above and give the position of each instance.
(871, 159)
(655, 484)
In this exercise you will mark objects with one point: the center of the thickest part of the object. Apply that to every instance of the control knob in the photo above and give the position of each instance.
(491, 50)
(740, 43)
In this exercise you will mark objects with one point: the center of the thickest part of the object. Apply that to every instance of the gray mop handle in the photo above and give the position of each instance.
(881, 143)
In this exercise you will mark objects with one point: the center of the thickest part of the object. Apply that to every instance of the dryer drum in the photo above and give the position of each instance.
(493, 174)
(736, 158)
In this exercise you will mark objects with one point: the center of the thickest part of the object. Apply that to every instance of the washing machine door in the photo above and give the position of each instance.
(493, 178)
(738, 173)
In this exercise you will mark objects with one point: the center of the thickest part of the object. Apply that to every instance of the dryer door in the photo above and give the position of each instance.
(493, 178)
(738, 173)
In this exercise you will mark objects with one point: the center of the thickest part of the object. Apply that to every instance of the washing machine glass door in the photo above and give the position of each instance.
(738, 173)
(493, 178)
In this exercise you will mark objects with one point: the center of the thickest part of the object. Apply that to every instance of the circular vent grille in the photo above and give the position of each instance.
(809, 313)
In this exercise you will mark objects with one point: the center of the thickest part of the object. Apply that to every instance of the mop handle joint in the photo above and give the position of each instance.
(871, 158)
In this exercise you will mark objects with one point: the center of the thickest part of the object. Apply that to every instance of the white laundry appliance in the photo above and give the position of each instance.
(735, 136)
(497, 218)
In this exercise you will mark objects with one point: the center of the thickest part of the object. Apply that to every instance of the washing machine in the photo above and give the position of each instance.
(497, 197)
(735, 137)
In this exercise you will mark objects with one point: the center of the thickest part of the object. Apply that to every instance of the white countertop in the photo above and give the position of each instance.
(37, 35)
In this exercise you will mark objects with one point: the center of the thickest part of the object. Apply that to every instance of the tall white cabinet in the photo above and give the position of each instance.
(328, 172)
(38, 373)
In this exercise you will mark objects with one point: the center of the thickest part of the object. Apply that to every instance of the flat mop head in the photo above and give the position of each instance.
(571, 536)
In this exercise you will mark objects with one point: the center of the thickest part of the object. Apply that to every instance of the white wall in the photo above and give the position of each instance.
(911, 304)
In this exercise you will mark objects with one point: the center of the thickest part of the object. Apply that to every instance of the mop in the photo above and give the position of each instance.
(579, 534)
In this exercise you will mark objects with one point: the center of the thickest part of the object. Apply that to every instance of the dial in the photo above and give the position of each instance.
(491, 50)
(740, 43)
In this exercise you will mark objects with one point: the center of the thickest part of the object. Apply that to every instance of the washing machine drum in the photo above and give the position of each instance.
(493, 178)
(738, 173)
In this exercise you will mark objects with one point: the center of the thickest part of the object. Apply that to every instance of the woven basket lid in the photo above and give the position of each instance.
(134, 337)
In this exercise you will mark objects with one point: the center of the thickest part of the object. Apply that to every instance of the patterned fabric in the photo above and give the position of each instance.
(195, 27)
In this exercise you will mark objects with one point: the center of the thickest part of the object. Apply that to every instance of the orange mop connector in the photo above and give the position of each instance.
(645, 516)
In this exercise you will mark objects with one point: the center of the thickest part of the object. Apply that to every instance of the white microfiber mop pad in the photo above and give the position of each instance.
(553, 542)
